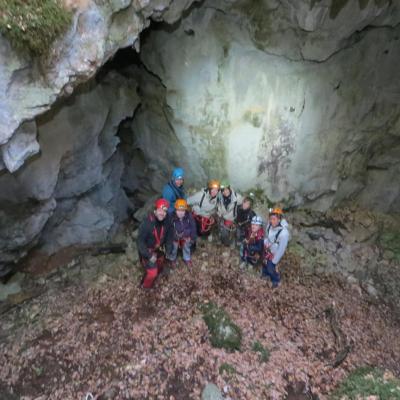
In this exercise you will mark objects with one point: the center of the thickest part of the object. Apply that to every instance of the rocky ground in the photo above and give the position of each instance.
(78, 323)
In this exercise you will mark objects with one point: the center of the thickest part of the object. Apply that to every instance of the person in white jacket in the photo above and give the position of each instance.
(204, 206)
(275, 244)
(229, 200)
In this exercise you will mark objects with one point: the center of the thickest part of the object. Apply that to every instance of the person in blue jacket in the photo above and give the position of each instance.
(174, 189)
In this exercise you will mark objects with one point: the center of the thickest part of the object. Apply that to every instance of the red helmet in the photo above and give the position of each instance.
(161, 203)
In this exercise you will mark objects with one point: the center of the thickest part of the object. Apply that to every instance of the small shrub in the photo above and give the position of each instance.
(228, 368)
(264, 353)
(33, 25)
(38, 370)
(367, 381)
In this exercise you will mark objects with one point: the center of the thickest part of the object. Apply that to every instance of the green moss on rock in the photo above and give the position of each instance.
(32, 26)
(390, 242)
(224, 333)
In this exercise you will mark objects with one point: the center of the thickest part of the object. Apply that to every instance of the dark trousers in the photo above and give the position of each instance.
(241, 231)
(248, 255)
(269, 269)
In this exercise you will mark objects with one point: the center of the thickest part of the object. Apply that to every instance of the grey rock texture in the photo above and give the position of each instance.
(60, 169)
(71, 193)
(20, 227)
(211, 392)
(30, 87)
(299, 98)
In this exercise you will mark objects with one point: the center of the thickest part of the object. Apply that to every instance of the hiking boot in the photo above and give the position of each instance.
(173, 264)
(146, 289)
(188, 263)
(275, 285)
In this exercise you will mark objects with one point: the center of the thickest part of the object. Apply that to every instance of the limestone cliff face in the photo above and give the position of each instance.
(60, 171)
(300, 98)
(30, 87)
(70, 193)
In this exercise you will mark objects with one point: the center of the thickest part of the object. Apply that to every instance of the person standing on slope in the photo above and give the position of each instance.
(275, 244)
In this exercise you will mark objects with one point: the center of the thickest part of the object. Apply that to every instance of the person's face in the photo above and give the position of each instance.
(246, 205)
(226, 192)
(255, 228)
(180, 213)
(213, 192)
(160, 213)
(179, 182)
(274, 220)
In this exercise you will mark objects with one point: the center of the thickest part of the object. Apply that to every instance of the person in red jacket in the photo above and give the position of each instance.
(152, 238)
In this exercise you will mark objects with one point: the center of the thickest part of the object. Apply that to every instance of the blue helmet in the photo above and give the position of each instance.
(178, 173)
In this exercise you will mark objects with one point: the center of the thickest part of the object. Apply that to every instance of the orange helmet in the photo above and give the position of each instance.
(276, 211)
(214, 184)
(181, 204)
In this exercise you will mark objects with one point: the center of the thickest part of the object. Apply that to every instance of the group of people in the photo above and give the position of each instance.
(177, 221)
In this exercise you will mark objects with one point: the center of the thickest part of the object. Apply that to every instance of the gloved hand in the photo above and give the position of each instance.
(153, 258)
(268, 255)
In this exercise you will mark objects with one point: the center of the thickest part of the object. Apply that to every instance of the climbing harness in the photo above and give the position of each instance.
(205, 222)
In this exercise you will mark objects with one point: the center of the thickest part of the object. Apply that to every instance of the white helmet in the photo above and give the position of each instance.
(257, 220)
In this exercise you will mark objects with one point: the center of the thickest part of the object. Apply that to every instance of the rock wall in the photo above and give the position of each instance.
(299, 98)
(60, 170)
(70, 193)
(29, 87)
